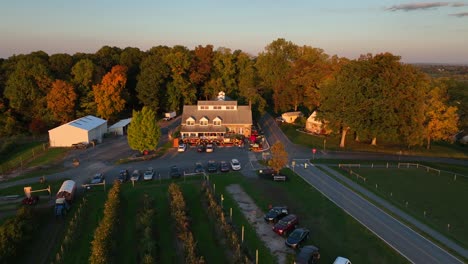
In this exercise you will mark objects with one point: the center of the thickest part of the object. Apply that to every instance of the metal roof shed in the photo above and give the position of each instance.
(84, 129)
(120, 128)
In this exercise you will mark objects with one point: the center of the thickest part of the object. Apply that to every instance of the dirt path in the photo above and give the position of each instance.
(255, 216)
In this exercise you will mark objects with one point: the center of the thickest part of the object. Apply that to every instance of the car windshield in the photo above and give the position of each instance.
(235, 163)
(97, 177)
(295, 234)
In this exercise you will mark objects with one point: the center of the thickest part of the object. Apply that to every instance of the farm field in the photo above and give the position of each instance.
(332, 230)
(437, 200)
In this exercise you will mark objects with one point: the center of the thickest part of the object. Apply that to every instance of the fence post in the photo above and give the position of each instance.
(455, 177)
(256, 256)
(242, 234)
(387, 165)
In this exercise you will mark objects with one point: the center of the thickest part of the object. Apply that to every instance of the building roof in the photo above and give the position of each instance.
(121, 123)
(217, 103)
(86, 123)
(241, 116)
(292, 113)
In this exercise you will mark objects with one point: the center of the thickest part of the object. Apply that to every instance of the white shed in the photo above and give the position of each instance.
(84, 129)
(290, 117)
(316, 126)
(120, 128)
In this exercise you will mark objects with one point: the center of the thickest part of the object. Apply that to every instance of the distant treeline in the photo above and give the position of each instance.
(374, 96)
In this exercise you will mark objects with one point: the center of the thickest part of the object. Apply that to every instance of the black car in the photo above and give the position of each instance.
(201, 148)
(224, 166)
(123, 175)
(199, 168)
(267, 172)
(174, 172)
(307, 255)
(297, 237)
(276, 213)
(212, 166)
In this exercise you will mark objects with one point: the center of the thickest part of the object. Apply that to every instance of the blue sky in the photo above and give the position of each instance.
(419, 31)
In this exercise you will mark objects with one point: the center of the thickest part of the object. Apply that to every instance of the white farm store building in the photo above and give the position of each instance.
(84, 129)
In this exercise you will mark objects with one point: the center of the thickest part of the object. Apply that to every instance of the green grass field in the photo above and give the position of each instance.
(417, 191)
(332, 230)
(439, 149)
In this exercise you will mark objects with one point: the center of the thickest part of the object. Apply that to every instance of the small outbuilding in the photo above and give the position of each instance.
(85, 129)
(316, 126)
(290, 117)
(120, 128)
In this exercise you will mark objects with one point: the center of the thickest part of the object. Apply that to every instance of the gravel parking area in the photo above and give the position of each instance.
(255, 216)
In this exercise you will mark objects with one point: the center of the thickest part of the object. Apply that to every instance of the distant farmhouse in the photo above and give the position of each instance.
(216, 119)
(85, 129)
(316, 126)
(290, 117)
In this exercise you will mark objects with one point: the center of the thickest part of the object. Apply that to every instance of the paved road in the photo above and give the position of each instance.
(410, 244)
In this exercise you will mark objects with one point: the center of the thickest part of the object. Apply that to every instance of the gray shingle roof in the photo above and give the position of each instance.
(241, 116)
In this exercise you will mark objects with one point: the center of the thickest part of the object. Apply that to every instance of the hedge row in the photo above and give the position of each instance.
(225, 227)
(72, 233)
(103, 244)
(15, 234)
(145, 228)
(178, 212)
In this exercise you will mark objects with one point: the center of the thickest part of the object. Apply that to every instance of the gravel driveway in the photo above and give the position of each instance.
(255, 216)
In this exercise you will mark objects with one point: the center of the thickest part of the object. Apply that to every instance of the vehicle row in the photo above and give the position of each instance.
(200, 148)
(286, 224)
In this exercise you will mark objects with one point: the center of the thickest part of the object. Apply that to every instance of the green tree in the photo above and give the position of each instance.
(224, 72)
(279, 156)
(151, 81)
(179, 62)
(60, 66)
(84, 75)
(107, 57)
(247, 82)
(143, 131)
(27, 87)
(274, 66)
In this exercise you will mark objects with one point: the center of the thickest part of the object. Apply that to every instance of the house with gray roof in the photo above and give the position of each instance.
(216, 119)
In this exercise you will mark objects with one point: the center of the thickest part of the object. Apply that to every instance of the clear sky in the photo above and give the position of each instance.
(419, 31)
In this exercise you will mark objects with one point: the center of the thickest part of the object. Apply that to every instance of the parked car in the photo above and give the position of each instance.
(307, 255)
(286, 224)
(280, 119)
(276, 213)
(199, 168)
(81, 145)
(123, 176)
(212, 166)
(174, 172)
(201, 148)
(97, 178)
(149, 174)
(297, 237)
(235, 165)
(182, 147)
(341, 260)
(223, 166)
(209, 148)
(267, 172)
(135, 175)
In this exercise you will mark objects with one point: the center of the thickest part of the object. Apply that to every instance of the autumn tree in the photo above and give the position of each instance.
(441, 120)
(279, 156)
(109, 94)
(201, 67)
(143, 131)
(61, 100)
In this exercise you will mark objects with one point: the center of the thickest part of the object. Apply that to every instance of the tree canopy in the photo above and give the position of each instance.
(143, 131)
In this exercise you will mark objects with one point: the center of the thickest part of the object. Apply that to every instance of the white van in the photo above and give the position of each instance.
(341, 260)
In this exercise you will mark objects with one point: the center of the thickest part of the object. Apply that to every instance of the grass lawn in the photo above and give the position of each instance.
(443, 199)
(332, 230)
(332, 143)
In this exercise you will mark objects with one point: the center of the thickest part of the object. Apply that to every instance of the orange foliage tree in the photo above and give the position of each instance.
(108, 95)
(61, 100)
